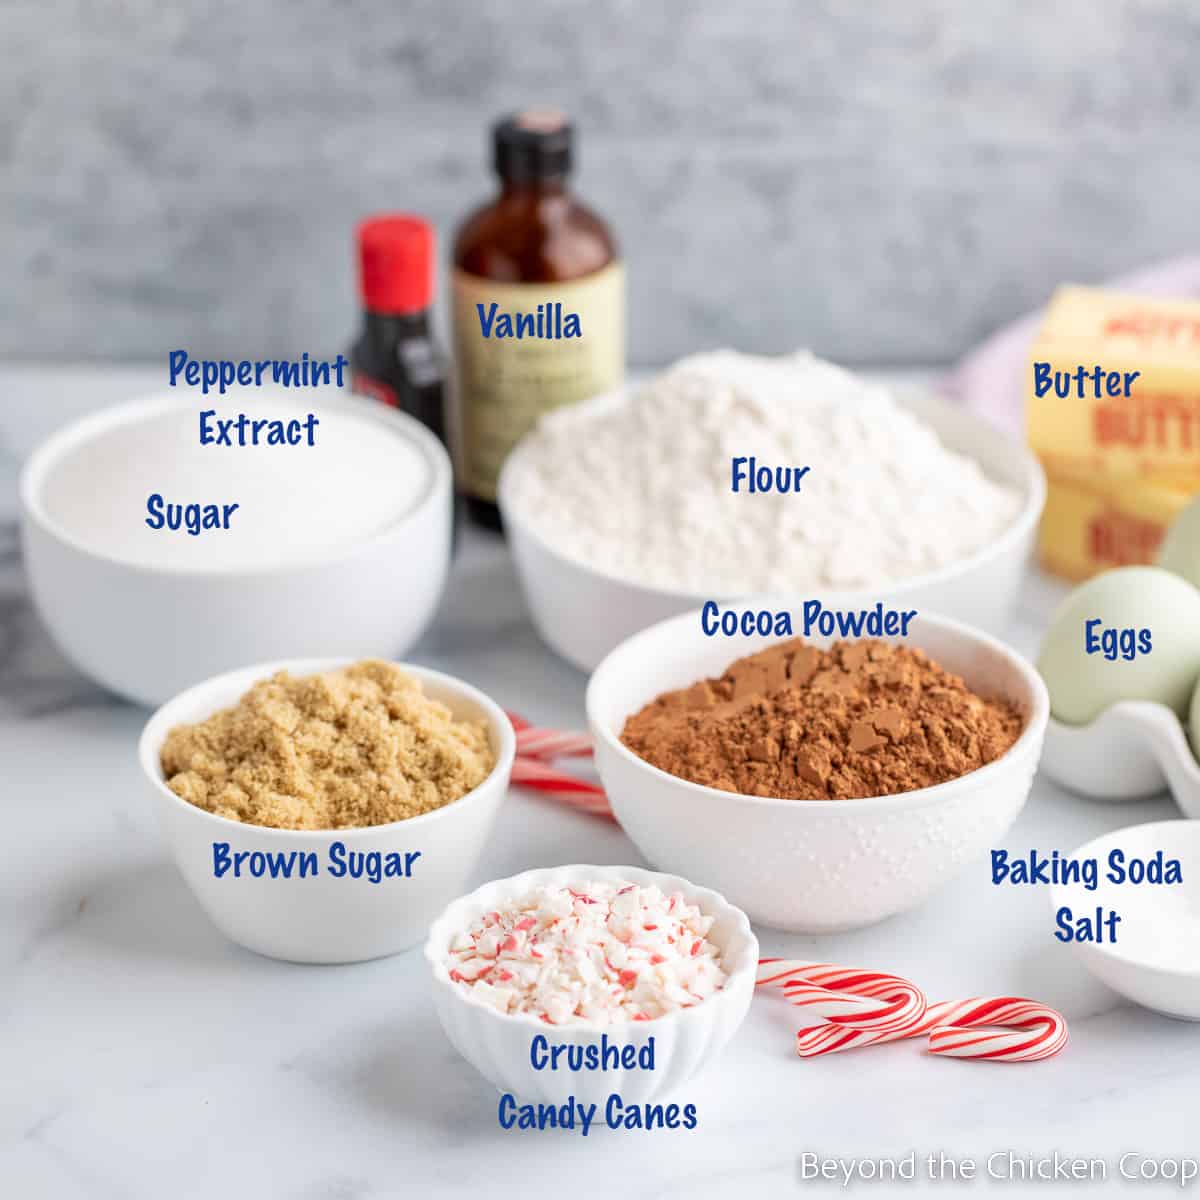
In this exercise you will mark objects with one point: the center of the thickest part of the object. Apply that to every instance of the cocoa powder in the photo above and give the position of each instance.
(860, 719)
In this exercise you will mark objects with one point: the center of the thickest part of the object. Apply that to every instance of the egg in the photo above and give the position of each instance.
(1194, 721)
(1129, 634)
(1180, 549)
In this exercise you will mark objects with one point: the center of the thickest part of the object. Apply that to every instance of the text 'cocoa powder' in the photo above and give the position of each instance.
(859, 719)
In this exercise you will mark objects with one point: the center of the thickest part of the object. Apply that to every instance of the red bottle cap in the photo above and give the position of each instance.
(397, 254)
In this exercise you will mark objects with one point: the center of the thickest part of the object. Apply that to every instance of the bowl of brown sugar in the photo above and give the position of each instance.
(822, 784)
(327, 811)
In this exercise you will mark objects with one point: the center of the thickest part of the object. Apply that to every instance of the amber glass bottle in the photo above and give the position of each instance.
(539, 302)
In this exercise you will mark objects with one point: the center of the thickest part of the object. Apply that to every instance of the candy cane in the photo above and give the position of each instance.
(535, 742)
(553, 743)
(996, 1029)
(536, 747)
(867, 1008)
(576, 793)
(852, 1001)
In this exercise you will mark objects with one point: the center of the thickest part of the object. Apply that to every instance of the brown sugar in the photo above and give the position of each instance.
(860, 719)
(358, 746)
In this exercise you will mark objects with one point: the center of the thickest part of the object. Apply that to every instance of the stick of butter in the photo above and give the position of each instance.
(1091, 525)
(1136, 408)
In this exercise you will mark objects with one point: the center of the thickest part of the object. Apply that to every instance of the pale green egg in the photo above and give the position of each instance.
(1194, 720)
(1180, 549)
(1143, 624)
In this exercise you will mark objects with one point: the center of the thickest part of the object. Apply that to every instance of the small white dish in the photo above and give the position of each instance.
(811, 866)
(582, 613)
(323, 918)
(147, 631)
(1134, 749)
(498, 1044)
(1156, 958)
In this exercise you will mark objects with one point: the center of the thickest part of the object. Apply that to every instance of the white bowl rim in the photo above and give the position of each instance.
(160, 722)
(1113, 953)
(450, 922)
(1035, 726)
(1033, 491)
(83, 429)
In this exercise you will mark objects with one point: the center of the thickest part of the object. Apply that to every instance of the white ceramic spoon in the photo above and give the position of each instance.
(1133, 749)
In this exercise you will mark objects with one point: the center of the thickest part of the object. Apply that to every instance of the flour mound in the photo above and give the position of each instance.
(642, 490)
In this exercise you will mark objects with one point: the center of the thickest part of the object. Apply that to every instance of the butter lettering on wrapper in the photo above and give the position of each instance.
(1133, 364)
(1113, 412)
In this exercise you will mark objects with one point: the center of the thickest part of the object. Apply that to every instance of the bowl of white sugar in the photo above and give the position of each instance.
(168, 540)
(730, 476)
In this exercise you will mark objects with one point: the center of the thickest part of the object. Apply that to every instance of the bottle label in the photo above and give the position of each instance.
(374, 389)
(523, 349)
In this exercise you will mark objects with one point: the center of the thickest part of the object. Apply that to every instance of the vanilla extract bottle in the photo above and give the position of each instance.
(538, 300)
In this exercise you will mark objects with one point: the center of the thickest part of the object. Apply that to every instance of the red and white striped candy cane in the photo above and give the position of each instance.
(850, 1000)
(993, 1029)
(536, 747)
(867, 1008)
(997, 1029)
(536, 742)
(580, 794)
(547, 744)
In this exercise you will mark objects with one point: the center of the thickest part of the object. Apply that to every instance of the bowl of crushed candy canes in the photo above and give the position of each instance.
(578, 982)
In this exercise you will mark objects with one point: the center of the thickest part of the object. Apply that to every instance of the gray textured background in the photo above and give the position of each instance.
(884, 182)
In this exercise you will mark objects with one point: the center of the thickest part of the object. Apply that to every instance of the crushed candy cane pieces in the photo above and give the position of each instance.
(599, 952)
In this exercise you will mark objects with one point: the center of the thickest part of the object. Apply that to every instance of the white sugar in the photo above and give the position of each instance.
(294, 503)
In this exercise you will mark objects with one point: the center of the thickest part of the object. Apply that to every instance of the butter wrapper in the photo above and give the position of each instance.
(1155, 430)
(1093, 523)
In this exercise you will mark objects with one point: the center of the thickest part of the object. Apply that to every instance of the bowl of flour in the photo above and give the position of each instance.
(731, 476)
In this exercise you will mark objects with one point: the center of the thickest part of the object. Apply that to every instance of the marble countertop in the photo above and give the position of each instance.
(142, 1055)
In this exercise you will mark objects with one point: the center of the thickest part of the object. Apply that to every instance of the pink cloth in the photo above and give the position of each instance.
(990, 380)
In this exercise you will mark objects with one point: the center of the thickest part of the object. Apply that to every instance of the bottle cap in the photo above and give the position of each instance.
(535, 144)
(397, 255)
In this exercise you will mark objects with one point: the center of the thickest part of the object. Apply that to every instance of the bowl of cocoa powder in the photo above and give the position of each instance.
(822, 784)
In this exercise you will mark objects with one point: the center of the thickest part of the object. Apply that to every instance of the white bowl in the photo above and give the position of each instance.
(323, 918)
(1133, 749)
(810, 866)
(582, 613)
(146, 632)
(1156, 958)
(498, 1044)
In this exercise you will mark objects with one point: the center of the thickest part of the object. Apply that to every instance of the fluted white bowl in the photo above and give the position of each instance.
(498, 1044)
(811, 866)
